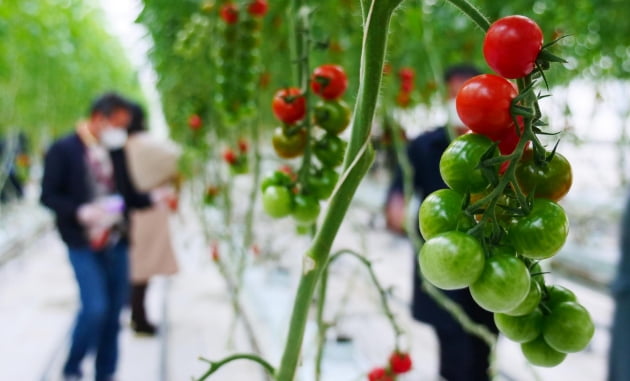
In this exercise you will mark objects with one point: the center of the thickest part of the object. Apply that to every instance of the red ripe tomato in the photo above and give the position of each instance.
(400, 362)
(229, 13)
(329, 81)
(229, 156)
(483, 104)
(512, 45)
(289, 105)
(406, 86)
(195, 122)
(380, 374)
(406, 74)
(258, 8)
(242, 145)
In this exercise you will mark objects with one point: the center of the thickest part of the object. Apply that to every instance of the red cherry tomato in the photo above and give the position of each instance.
(195, 122)
(289, 105)
(229, 156)
(483, 104)
(258, 8)
(329, 81)
(400, 362)
(229, 13)
(511, 46)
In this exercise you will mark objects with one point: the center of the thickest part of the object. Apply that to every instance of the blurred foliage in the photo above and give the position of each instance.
(426, 35)
(55, 57)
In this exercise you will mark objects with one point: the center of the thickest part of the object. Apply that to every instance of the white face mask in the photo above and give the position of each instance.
(113, 137)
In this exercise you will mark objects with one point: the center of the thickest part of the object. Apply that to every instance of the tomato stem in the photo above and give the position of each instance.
(472, 12)
(216, 365)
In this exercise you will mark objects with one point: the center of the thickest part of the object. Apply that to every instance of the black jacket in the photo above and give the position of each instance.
(65, 186)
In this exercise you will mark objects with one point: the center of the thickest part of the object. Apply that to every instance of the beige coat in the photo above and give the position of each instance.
(152, 163)
(151, 250)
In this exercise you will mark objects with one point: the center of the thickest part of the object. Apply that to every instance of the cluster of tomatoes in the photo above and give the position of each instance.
(500, 217)
(237, 159)
(239, 60)
(407, 77)
(399, 363)
(284, 192)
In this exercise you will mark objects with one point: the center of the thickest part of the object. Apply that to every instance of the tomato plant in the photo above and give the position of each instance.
(452, 260)
(568, 327)
(400, 362)
(502, 285)
(460, 163)
(483, 104)
(277, 201)
(258, 8)
(322, 182)
(380, 374)
(306, 209)
(333, 116)
(329, 81)
(550, 179)
(330, 150)
(539, 353)
(289, 105)
(229, 13)
(511, 46)
(520, 329)
(195, 122)
(289, 144)
(442, 211)
(542, 232)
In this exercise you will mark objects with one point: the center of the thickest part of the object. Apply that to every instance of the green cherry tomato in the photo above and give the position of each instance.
(542, 232)
(503, 284)
(520, 329)
(452, 260)
(330, 150)
(530, 302)
(332, 116)
(441, 211)
(459, 164)
(275, 178)
(277, 201)
(306, 209)
(539, 353)
(551, 180)
(568, 328)
(557, 294)
(321, 183)
(289, 146)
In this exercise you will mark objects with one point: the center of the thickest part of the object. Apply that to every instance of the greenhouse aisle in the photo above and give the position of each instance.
(38, 299)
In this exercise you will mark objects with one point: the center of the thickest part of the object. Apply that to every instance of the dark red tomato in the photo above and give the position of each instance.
(542, 232)
(459, 164)
(406, 74)
(406, 86)
(483, 104)
(229, 156)
(289, 146)
(329, 81)
(195, 122)
(400, 362)
(289, 105)
(242, 145)
(258, 8)
(229, 13)
(512, 45)
(551, 180)
(380, 374)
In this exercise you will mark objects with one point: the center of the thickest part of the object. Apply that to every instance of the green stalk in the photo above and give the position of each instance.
(322, 326)
(215, 365)
(358, 159)
(472, 12)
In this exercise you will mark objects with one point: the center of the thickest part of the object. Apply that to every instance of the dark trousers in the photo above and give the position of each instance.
(103, 280)
(619, 357)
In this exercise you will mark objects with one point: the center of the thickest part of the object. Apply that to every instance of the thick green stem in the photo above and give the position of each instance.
(216, 365)
(359, 157)
(322, 326)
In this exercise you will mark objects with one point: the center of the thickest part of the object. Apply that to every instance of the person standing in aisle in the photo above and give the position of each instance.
(619, 356)
(463, 356)
(153, 168)
(86, 184)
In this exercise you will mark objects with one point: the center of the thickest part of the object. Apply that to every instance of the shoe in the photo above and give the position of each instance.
(144, 329)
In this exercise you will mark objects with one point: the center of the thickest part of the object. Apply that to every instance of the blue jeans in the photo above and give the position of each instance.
(103, 280)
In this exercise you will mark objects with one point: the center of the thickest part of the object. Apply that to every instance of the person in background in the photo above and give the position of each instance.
(86, 184)
(619, 356)
(462, 357)
(151, 251)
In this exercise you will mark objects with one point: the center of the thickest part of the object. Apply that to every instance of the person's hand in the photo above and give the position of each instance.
(101, 213)
(165, 196)
(395, 213)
